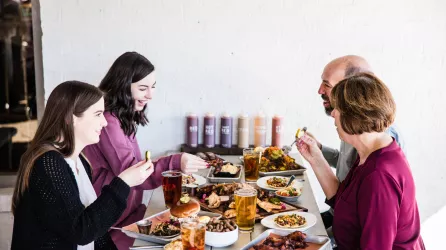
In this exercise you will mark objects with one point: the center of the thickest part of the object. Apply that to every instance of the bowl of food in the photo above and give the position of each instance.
(174, 245)
(291, 193)
(228, 170)
(277, 182)
(221, 232)
(167, 229)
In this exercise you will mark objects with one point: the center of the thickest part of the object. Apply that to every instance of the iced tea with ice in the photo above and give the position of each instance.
(192, 234)
(252, 164)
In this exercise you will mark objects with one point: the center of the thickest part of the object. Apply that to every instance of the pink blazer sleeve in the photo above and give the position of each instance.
(172, 162)
(120, 155)
(116, 148)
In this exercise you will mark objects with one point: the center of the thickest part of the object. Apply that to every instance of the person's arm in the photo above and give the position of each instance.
(332, 201)
(379, 199)
(115, 147)
(331, 155)
(328, 180)
(59, 208)
(309, 149)
(172, 162)
(104, 242)
(187, 163)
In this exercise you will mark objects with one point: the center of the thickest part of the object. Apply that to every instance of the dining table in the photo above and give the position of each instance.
(306, 200)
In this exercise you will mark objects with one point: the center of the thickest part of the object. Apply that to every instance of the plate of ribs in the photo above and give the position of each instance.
(275, 239)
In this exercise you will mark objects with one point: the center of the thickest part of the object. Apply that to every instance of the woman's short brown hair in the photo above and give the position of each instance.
(365, 104)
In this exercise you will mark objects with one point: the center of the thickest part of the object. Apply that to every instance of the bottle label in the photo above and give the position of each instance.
(209, 129)
(278, 129)
(260, 129)
(225, 130)
(243, 129)
(193, 129)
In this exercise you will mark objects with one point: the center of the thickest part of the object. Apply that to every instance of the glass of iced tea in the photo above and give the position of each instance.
(245, 207)
(172, 182)
(192, 234)
(252, 163)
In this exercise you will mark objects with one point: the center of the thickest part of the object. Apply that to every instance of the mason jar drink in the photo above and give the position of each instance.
(251, 161)
(192, 234)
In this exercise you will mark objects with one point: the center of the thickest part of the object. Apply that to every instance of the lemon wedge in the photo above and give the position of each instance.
(185, 199)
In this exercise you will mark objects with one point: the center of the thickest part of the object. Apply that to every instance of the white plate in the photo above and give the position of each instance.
(310, 218)
(199, 181)
(262, 183)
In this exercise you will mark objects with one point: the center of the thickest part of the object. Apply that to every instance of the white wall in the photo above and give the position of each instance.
(38, 62)
(256, 55)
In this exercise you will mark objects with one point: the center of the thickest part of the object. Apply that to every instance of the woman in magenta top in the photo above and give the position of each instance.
(128, 87)
(375, 206)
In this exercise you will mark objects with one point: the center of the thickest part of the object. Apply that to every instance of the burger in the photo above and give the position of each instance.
(185, 207)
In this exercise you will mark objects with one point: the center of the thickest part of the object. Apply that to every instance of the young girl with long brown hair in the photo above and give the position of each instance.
(54, 203)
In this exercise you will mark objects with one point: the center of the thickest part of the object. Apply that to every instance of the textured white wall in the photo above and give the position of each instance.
(246, 56)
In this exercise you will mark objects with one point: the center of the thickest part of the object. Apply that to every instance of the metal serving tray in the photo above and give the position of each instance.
(132, 230)
(299, 171)
(214, 179)
(284, 173)
(323, 241)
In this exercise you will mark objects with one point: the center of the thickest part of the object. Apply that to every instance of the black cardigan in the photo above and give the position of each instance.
(50, 214)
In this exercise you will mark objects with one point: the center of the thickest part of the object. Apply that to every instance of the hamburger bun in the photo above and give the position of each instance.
(184, 210)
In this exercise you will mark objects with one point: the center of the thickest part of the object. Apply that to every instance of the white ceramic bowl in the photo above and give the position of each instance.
(288, 198)
(224, 239)
(297, 185)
